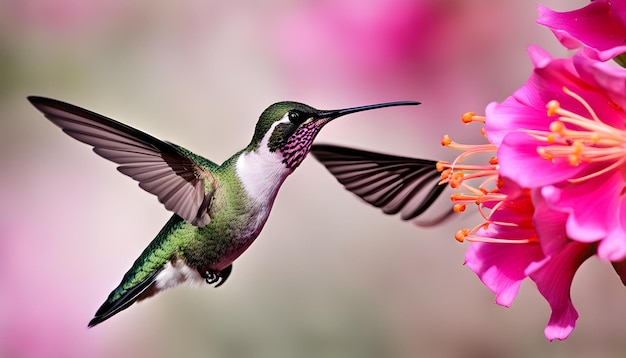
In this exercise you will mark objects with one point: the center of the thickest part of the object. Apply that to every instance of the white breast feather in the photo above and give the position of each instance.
(261, 171)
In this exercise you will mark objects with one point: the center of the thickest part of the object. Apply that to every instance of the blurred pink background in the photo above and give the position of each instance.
(329, 276)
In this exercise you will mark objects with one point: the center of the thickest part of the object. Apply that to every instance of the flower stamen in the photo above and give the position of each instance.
(469, 117)
(580, 140)
(487, 195)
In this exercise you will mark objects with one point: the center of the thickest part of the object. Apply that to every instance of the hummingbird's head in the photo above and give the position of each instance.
(290, 127)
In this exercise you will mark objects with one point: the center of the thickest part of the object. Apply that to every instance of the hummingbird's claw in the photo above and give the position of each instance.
(218, 276)
(223, 275)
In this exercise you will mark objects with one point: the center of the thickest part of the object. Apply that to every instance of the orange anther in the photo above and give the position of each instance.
(578, 147)
(446, 141)
(595, 138)
(461, 235)
(545, 153)
(467, 117)
(557, 127)
(553, 106)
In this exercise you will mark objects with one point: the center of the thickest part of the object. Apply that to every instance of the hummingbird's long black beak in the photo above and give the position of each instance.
(342, 112)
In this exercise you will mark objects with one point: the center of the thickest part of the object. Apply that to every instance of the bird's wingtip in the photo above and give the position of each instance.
(35, 99)
(40, 102)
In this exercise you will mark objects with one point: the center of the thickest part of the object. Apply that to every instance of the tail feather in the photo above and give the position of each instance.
(141, 281)
(113, 305)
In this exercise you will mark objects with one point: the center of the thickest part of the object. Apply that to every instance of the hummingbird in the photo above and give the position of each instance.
(395, 184)
(218, 210)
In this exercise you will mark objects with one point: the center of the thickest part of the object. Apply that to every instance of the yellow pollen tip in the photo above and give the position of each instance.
(553, 106)
(573, 159)
(455, 183)
(456, 197)
(446, 174)
(578, 147)
(544, 153)
(459, 208)
(493, 161)
(483, 131)
(461, 235)
(446, 141)
(440, 166)
(456, 179)
(595, 138)
(468, 117)
(557, 127)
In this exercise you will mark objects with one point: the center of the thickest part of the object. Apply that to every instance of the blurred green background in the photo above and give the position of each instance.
(328, 276)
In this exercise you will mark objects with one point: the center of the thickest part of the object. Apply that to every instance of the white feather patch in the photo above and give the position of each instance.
(177, 273)
(261, 171)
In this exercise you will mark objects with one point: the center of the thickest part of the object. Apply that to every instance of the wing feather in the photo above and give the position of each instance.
(178, 181)
(403, 185)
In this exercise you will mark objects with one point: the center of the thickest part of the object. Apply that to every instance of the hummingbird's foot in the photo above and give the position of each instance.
(218, 276)
(211, 277)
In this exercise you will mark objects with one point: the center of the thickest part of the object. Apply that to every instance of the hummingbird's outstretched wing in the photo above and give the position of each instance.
(161, 168)
(408, 186)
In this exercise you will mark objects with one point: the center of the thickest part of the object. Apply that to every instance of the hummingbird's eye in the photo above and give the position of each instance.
(294, 116)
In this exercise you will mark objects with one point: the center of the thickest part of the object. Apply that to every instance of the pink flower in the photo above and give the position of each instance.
(575, 151)
(537, 248)
(600, 28)
(502, 265)
(522, 235)
(520, 240)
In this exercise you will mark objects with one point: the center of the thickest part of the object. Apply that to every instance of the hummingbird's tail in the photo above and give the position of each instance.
(158, 268)
(116, 303)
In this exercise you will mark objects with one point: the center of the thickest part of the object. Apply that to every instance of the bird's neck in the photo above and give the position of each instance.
(261, 172)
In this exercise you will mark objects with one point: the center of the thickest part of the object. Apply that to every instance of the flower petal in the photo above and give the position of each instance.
(595, 212)
(501, 266)
(612, 82)
(613, 246)
(620, 268)
(549, 225)
(599, 27)
(554, 280)
(519, 160)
